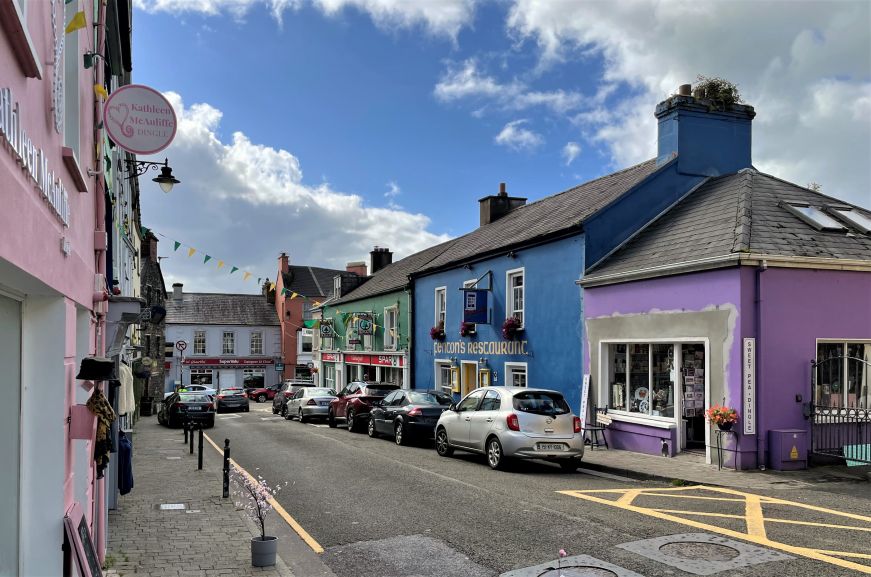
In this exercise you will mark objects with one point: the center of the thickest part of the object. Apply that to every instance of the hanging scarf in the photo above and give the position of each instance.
(99, 405)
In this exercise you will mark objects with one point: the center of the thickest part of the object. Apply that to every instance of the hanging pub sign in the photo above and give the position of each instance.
(139, 119)
(364, 324)
(327, 331)
(475, 306)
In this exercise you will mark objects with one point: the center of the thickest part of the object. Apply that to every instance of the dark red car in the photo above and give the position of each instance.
(352, 405)
(262, 394)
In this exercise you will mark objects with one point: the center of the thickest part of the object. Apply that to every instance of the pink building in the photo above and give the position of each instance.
(52, 264)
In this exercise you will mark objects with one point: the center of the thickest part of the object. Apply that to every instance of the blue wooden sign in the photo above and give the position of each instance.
(475, 306)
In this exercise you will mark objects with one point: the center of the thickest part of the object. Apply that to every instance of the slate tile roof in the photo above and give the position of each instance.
(732, 214)
(311, 281)
(220, 309)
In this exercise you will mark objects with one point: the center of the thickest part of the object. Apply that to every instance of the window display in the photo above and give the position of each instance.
(641, 378)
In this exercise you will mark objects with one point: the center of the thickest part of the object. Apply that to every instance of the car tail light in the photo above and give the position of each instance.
(176, 405)
(244, 396)
(577, 424)
(210, 407)
(220, 396)
(311, 402)
(513, 422)
(415, 412)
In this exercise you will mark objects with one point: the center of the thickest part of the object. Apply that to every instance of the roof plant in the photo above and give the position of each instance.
(719, 91)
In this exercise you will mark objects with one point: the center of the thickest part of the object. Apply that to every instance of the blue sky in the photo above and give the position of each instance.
(341, 124)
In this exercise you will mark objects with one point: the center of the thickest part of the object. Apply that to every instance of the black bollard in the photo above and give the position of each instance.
(184, 427)
(226, 468)
(191, 437)
(200, 455)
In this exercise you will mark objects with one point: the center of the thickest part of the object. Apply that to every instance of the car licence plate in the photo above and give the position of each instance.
(551, 447)
(194, 408)
(323, 403)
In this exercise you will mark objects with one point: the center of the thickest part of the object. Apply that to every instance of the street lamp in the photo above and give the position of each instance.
(166, 180)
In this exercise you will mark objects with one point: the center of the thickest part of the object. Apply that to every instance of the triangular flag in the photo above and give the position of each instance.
(207, 259)
(284, 291)
(177, 244)
(100, 91)
(234, 269)
(293, 296)
(317, 304)
(191, 251)
(220, 264)
(247, 274)
(77, 22)
(272, 286)
(259, 279)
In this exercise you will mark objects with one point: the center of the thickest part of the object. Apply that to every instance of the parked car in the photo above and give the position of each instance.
(179, 408)
(512, 422)
(353, 403)
(262, 394)
(407, 414)
(231, 398)
(287, 390)
(202, 389)
(309, 402)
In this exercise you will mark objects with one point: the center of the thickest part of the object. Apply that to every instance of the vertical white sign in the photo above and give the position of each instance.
(585, 392)
(749, 387)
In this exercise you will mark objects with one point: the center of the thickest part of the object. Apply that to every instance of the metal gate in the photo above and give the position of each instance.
(840, 409)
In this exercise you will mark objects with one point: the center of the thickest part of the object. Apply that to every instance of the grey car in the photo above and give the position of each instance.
(310, 402)
(231, 398)
(512, 422)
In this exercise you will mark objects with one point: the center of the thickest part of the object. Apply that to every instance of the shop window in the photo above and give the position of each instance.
(199, 342)
(843, 374)
(253, 378)
(229, 343)
(390, 327)
(441, 306)
(306, 339)
(201, 377)
(514, 299)
(256, 343)
(443, 377)
(641, 378)
(515, 374)
(330, 376)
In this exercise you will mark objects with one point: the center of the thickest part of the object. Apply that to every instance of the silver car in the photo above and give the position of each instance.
(512, 422)
(308, 402)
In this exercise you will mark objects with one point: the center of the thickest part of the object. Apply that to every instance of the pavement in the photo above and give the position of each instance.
(208, 537)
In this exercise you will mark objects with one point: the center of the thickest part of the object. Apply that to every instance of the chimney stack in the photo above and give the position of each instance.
(149, 247)
(379, 258)
(357, 267)
(176, 291)
(492, 208)
(283, 263)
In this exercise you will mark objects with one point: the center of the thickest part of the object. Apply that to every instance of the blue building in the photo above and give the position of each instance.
(527, 258)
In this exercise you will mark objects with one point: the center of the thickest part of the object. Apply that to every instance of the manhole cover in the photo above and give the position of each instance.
(700, 551)
(578, 571)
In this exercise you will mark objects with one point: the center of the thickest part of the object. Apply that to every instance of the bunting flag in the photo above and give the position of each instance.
(191, 251)
(259, 279)
(247, 274)
(311, 324)
(293, 296)
(272, 286)
(220, 264)
(207, 259)
(234, 269)
(77, 22)
(177, 244)
(317, 303)
(100, 91)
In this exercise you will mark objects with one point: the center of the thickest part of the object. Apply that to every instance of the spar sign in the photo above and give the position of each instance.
(139, 119)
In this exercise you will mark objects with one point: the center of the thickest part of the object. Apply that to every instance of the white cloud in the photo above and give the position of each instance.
(514, 136)
(571, 151)
(244, 203)
(806, 70)
(393, 190)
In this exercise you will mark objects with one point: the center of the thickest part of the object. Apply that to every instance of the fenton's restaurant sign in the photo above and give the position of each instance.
(139, 119)
(227, 362)
(480, 348)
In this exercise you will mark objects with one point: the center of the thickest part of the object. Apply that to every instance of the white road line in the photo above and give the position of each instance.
(229, 416)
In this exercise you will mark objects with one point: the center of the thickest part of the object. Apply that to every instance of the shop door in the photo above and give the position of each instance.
(693, 379)
(227, 379)
(469, 377)
(10, 423)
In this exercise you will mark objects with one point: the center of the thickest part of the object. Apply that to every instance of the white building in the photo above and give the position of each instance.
(227, 338)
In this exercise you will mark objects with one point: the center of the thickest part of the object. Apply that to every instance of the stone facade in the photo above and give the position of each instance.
(153, 335)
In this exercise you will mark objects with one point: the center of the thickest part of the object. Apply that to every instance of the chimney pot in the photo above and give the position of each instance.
(502, 189)
(177, 291)
(685, 90)
(379, 258)
(492, 208)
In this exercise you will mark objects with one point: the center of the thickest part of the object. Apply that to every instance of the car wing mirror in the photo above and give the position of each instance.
(452, 407)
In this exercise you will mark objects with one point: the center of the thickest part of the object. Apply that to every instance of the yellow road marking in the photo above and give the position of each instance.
(753, 517)
(846, 554)
(303, 534)
(699, 497)
(681, 512)
(767, 519)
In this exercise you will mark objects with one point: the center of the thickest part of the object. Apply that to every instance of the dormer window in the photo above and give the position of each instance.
(856, 219)
(337, 286)
(813, 215)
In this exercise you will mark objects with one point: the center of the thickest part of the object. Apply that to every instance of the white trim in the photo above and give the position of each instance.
(509, 294)
(443, 289)
(508, 366)
(437, 364)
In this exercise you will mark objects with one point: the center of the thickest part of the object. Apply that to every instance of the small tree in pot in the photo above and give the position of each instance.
(255, 497)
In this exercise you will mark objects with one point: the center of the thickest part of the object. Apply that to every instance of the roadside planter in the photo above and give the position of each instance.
(255, 496)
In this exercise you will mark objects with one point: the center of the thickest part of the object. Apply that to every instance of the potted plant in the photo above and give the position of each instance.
(437, 333)
(467, 329)
(511, 327)
(722, 416)
(255, 497)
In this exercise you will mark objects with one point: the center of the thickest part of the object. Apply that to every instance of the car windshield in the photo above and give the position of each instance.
(379, 390)
(315, 392)
(194, 398)
(541, 403)
(429, 398)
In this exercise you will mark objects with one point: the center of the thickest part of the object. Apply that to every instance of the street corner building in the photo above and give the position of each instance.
(221, 340)
(64, 210)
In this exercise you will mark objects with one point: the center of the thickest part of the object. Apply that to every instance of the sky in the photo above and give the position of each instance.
(323, 128)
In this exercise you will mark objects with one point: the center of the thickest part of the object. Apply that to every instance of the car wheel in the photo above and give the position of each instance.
(331, 419)
(495, 457)
(284, 411)
(352, 423)
(569, 465)
(261, 398)
(246, 409)
(442, 445)
(302, 418)
(210, 423)
(371, 428)
(274, 410)
(398, 433)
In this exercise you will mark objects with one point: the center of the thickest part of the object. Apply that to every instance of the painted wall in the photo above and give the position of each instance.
(554, 332)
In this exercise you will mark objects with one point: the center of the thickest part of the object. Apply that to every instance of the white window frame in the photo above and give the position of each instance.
(510, 311)
(509, 372)
(441, 306)
(391, 338)
(232, 343)
(252, 341)
(843, 343)
(337, 286)
(439, 364)
(300, 341)
(205, 343)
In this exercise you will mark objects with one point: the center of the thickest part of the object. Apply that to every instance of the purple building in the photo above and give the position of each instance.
(750, 292)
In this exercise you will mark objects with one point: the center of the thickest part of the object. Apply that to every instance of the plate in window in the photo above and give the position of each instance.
(641, 393)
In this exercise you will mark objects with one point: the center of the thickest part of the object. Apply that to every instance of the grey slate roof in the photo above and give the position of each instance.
(394, 276)
(542, 218)
(310, 281)
(220, 309)
(730, 215)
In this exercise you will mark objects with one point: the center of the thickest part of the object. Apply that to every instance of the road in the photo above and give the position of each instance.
(380, 510)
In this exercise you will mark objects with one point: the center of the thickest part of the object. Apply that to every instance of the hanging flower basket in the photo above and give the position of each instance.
(722, 416)
(467, 329)
(437, 333)
(511, 327)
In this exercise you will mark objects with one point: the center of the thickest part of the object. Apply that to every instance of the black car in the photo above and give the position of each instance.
(231, 398)
(179, 408)
(407, 414)
(284, 394)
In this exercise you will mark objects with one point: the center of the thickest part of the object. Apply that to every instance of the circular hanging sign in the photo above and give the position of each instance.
(139, 119)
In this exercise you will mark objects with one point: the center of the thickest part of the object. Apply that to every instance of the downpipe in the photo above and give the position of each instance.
(761, 437)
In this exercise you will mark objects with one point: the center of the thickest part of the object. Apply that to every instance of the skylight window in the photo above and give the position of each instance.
(853, 217)
(813, 215)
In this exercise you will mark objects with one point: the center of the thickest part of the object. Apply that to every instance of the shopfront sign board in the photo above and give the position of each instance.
(279, 367)
(475, 306)
(329, 357)
(139, 119)
(79, 536)
(196, 361)
(749, 387)
(377, 360)
(585, 392)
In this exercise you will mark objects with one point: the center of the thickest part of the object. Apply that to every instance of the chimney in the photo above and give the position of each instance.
(176, 291)
(267, 292)
(357, 267)
(495, 207)
(283, 263)
(379, 258)
(149, 247)
(706, 137)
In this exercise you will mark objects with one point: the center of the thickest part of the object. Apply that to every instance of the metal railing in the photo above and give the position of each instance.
(840, 411)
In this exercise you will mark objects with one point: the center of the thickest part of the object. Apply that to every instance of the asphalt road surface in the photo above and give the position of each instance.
(380, 510)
